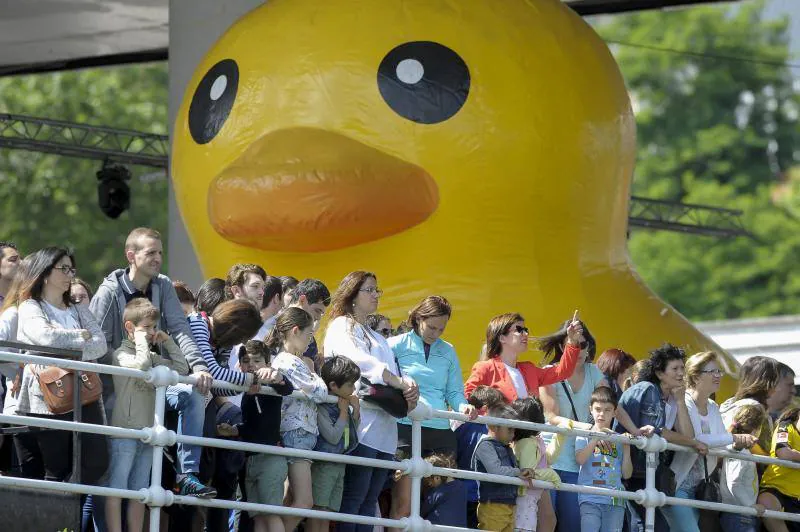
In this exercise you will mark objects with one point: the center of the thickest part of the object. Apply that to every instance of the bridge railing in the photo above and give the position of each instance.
(158, 436)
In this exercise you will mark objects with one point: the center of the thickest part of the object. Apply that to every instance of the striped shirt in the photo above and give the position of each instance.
(202, 337)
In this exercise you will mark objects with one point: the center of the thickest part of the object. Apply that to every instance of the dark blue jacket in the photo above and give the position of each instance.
(467, 437)
(645, 405)
(446, 504)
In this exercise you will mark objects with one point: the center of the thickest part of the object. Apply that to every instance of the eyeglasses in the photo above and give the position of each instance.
(67, 270)
(520, 329)
(372, 290)
(386, 333)
(715, 372)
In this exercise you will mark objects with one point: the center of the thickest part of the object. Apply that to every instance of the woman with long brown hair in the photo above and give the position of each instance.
(433, 364)
(348, 336)
(47, 317)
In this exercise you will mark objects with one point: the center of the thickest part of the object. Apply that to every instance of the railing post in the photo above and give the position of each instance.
(649, 486)
(416, 473)
(158, 457)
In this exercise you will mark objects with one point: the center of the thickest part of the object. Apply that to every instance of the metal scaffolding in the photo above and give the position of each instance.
(147, 149)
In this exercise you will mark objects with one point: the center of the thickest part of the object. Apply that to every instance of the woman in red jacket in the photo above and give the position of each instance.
(506, 339)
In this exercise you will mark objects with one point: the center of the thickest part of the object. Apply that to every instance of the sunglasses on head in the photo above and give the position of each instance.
(520, 329)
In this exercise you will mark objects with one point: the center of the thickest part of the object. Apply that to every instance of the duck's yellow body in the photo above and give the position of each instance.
(476, 149)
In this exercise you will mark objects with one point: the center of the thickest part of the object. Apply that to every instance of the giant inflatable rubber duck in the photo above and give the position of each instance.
(476, 149)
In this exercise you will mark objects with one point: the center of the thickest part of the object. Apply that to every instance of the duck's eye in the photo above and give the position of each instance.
(213, 100)
(424, 81)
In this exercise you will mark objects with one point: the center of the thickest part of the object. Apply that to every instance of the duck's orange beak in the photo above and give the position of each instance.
(307, 189)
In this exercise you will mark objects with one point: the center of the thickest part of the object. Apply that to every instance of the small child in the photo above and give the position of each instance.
(292, 334)
(131, 459)
(739, 478)
(532, 453)
(602, 466)
(467, 436)
(493, 455)
(443, 498)
(780, 486)
(261, 414)
(338, 431)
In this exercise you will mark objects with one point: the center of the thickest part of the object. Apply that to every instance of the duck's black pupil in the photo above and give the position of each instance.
(438, 95)
(207, 115)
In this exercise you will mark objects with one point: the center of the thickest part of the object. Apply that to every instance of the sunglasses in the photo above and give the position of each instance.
(521, 330)
(385, 332)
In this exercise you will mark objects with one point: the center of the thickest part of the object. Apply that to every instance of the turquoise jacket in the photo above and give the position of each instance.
(439, 377)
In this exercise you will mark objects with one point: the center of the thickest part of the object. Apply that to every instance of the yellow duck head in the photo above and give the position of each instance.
(475, 149)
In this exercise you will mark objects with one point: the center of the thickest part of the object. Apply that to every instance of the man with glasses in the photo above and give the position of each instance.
(142, 278)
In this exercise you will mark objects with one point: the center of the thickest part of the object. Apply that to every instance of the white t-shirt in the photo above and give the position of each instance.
(63, 317)
(518, 380)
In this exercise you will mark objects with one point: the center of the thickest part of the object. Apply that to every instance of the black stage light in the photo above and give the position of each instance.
(113, 193)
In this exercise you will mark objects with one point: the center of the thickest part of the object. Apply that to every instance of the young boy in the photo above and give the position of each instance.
(467, 436)
(261, 420)
(338, 430)
(602, 467)
(131, 459)
(494, 455)
(443, 498)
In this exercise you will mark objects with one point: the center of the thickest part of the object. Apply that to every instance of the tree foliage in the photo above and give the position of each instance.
(717, 116)
(52, 200)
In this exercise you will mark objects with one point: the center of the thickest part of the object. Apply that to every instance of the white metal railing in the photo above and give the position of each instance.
(159, 436)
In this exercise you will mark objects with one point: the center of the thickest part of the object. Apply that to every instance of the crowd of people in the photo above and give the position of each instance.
(252, 330)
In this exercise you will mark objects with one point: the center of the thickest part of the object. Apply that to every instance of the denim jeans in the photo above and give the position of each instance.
(682, 518)
(601, 517)
(362, 485)
(565, 503)
(739, 523)
(190, 406)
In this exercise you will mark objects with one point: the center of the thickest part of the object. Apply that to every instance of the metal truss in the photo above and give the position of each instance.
(134, 147)
(686, 218)
(81, 140)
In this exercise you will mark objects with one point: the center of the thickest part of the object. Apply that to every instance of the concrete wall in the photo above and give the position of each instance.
(194, 25)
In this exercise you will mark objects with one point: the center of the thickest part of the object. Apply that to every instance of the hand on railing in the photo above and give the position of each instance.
(469, 410)
(527, 476)
(700, 447)
(204, 381)
(744, 441)
(227, 431)
(646, 431)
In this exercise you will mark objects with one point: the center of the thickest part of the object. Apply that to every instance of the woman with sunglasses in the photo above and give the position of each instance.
(506, 339)
(433, 364)
(47, 317)
(347, 335)
(380, 324)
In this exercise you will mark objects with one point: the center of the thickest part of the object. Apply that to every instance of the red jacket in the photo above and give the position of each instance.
(493, 373)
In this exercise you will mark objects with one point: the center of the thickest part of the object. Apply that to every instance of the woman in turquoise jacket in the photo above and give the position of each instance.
(422, 355)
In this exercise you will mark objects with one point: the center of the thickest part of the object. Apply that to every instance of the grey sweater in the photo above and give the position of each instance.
(108, 304)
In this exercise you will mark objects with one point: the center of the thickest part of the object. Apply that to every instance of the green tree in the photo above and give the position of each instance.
(717, 114)
(52, 200)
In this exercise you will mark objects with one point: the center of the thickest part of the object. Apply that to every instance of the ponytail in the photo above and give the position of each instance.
(287, 320)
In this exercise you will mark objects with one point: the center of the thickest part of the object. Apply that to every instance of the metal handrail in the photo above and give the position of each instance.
(158, 436)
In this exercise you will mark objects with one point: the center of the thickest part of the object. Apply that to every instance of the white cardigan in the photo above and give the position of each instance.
(37, 327)
(372, 354)
(719, 437)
